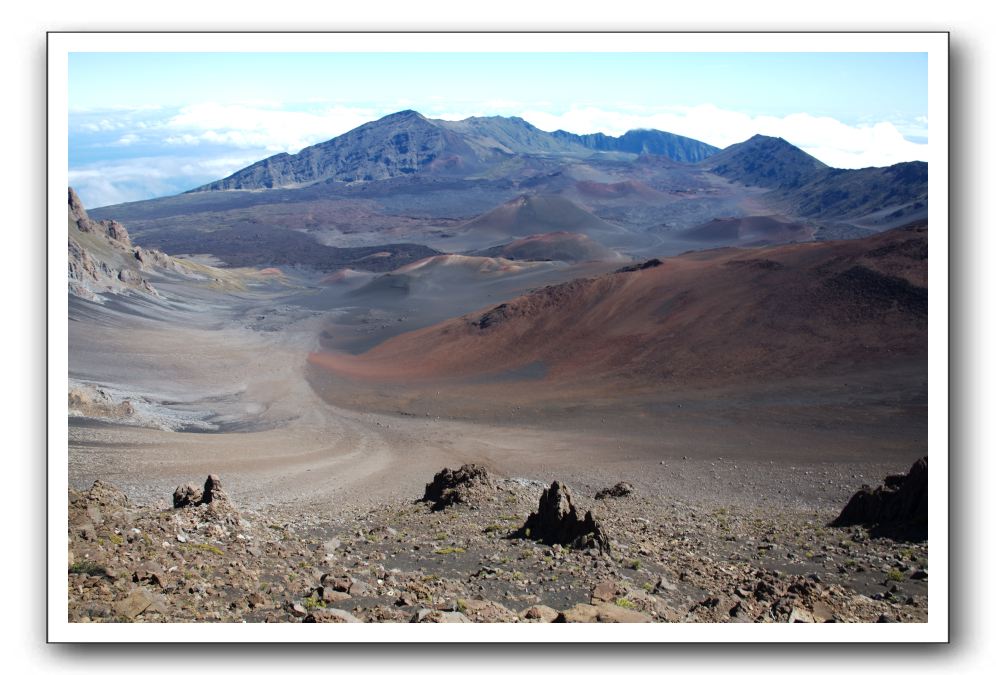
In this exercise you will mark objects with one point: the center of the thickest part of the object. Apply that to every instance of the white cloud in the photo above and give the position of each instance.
(252, 126)
(103, 125)
(135, 178)
(127, 139)
(829, 140)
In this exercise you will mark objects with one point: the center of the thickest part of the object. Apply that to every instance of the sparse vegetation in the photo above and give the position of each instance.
(87, 567)
(311, 602)
(210, 548)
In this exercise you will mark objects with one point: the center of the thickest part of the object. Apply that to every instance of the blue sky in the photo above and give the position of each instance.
(145, 125)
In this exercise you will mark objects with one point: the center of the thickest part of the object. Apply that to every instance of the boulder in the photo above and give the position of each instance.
(104, 494)
(556, 521)
(191, 495)
(213, 490)
(127, 276)
(898, 508)
(138, 601)
(187, 495)
(450, 487)
(606, 591)
(620, 489)
(116, 232)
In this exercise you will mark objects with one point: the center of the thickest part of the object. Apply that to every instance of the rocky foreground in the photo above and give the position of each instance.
(478, 548)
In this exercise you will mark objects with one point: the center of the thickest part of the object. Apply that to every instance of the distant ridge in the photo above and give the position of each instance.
(645, 142)
(407, 142)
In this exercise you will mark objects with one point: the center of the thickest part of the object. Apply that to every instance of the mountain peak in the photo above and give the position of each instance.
(766, 161)
(761, 139)
(403, 115)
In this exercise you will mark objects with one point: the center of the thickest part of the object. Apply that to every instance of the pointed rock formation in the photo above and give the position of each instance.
(898, 508)
(78, 214)
(191, 495)
(102, 258)
(556, 521)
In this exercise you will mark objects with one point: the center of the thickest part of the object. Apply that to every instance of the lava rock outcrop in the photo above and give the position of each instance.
(556, 521)
(897, 509)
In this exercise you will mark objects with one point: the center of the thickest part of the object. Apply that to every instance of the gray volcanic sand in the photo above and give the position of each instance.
(241, 370)
(741, 479)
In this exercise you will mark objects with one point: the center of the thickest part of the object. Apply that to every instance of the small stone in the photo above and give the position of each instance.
(606, 591)
(331, 615)
(360, 588)
(601, 613)
(328, 595)
(800, 615)
(438, 616)
(621, 489)
(539, 613)
(664, 584)
(137, 602)
(297, 609)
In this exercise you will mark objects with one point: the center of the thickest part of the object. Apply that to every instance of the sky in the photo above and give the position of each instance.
(144, 125)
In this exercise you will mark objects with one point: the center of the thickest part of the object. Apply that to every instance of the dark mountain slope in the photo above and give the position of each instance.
(804, 187)
(644, 142)
(406, 143)
(399, 144)
(763, 161)
(848, 193)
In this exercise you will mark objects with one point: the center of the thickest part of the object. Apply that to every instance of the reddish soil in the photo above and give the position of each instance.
(714, 317)
(752, 230)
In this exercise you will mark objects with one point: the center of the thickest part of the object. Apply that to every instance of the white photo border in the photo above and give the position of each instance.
(934, 44)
